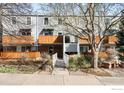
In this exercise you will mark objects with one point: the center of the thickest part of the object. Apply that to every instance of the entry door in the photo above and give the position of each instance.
(51, 50)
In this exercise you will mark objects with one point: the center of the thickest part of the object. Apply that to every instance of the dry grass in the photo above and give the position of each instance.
(24, 69)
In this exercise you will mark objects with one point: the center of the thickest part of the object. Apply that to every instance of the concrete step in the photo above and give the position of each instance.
(60, 71)
(60, 64)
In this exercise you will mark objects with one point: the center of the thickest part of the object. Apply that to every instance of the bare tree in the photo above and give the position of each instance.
(88, 20)
(8, 9)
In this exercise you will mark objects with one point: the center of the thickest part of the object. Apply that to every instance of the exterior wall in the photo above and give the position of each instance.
(37, 26)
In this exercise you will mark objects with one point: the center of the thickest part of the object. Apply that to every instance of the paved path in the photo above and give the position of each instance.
(38, 79)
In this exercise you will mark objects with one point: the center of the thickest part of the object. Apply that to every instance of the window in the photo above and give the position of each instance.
(59, 21)
(46, 21)
(28, 20)
(26, 48)
(84, 49)
(67, 39)
(107, 21)
(47, 32)
(13, 20)
(10, 48)
(60, 34)
(25, 32)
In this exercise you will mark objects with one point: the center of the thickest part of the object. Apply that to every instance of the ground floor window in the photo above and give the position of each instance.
(26, 48)
(9, 48)
(105, 48)
(34, 48)
(84, 49)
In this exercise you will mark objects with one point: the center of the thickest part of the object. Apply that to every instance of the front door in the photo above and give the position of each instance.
(59, 50)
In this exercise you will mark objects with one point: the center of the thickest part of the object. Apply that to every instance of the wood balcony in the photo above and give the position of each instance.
(50, 39)
(83, 40)
(17, 55)
(110, 40)
(17, 40)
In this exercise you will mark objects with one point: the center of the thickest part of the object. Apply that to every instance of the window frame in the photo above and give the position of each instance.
(28, 20)
(59, 21)
(13, 20)
(46, 21)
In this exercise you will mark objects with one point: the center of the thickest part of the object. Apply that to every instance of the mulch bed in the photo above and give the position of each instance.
(97, 72)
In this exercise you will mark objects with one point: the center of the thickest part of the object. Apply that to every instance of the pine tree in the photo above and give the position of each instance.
(120, 36)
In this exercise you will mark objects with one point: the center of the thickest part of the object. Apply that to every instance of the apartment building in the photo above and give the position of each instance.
(43, 33)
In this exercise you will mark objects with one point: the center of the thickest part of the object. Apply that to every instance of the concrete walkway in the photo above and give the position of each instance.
(38, 79)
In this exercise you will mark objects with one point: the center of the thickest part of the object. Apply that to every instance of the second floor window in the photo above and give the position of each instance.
(67, 39)
(46, 21)
(28, 20)
(47, 32)
(13, 20)
(59, 21)
(25, 32)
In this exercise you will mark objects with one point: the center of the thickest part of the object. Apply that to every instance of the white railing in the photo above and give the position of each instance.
(54, 58)
(71, 47)
(66, 59)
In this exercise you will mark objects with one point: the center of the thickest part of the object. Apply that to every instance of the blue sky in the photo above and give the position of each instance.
(37, 10)
(35, 6)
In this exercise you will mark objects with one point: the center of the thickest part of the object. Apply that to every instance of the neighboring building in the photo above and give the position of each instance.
(44, 34)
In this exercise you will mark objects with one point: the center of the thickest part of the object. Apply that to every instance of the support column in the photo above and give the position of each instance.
(78, 47)
(63, 46)
(1, 28)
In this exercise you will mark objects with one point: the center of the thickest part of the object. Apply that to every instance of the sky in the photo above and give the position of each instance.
(35, 6)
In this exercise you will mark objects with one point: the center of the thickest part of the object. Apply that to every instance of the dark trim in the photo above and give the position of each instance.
(51, 44)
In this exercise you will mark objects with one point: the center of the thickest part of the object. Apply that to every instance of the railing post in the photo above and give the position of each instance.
(66, 60)
(54, 58)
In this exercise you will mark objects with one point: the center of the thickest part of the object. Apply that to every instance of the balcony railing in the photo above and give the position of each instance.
(50, 39)
(17, 55)
(17, 40)
(111, 40)
(83, 40)
(70, 47)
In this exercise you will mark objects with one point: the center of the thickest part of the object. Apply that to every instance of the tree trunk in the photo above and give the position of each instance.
(95, 59)
(1, 29)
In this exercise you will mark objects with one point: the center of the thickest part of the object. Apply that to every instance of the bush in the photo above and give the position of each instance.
(72, 64)
(85, 61)
(47, 57)
(46, 62)
(79, 62)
